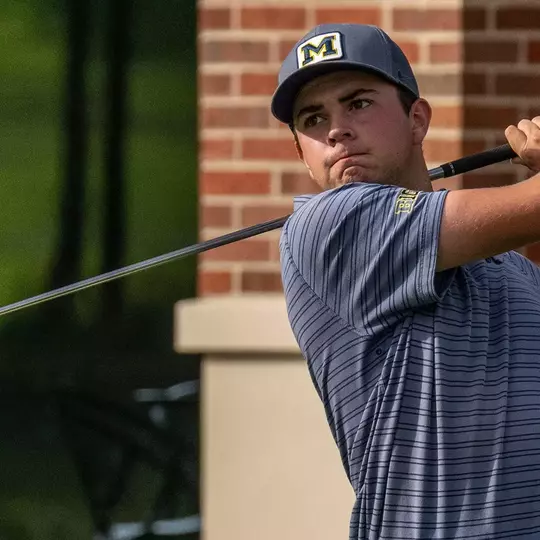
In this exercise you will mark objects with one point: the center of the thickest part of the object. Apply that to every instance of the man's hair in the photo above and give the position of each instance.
(406, 98)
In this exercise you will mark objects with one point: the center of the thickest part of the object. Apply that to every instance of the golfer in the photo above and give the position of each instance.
(419, 321)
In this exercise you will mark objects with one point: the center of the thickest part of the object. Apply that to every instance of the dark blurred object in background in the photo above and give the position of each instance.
(98, 160)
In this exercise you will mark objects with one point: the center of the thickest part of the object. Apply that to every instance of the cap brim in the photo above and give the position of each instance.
(285, 94)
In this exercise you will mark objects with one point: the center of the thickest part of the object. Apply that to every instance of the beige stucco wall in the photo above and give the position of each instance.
(270, 469)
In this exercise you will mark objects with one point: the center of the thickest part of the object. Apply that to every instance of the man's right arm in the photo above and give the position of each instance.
(480, 223)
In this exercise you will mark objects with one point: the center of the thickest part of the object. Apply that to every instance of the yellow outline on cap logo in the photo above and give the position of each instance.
(319, 48)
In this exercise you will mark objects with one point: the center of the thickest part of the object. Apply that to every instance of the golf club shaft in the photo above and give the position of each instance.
(462, 165)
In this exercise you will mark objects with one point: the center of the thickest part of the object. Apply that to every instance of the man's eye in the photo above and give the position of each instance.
(312, 120)
(361, 103)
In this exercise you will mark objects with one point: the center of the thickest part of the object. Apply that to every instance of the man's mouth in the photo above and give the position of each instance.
(350, 160)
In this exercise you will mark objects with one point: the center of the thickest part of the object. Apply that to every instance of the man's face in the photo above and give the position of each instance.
(351, 127)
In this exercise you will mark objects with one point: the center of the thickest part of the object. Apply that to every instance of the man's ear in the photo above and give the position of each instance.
(420, 116)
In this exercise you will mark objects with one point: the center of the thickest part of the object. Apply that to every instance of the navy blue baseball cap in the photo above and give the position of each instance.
(333, 47)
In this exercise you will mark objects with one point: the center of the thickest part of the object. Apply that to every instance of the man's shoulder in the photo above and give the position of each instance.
(335, 199)
(328, 218)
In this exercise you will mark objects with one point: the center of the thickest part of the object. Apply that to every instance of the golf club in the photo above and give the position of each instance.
(453, 168)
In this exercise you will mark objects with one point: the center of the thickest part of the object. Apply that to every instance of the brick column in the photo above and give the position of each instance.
(248, 168)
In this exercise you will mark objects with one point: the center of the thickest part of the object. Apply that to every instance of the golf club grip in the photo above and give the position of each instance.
(479, 160)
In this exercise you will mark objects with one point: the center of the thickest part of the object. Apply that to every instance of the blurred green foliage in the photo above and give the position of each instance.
(46, 348)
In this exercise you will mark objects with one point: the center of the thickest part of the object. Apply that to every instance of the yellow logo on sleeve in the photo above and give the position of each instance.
(405, 201)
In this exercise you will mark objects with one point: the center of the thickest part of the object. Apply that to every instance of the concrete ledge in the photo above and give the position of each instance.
(243, 324)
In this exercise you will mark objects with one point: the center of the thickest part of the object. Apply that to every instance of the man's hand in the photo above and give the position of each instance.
(480, 223)
(525, 141)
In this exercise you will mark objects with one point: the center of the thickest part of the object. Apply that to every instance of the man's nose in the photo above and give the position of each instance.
(340, 131)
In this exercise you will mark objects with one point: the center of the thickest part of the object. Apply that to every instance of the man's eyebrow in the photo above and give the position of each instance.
(317, 107)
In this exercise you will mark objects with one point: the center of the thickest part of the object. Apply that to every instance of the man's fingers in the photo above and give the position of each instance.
(517, 139)
(527, 126)
(525, 141)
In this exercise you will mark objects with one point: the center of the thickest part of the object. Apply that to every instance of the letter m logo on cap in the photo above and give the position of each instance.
(319, 48)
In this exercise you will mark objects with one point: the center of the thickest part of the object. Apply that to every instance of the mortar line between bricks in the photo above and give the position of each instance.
(269, 201)
(225, 266)
(522, 44)
(248, 166)
(235, 88)
(228, 132)
(264, 68)
(239, 265)
(500, 101)
(265, 35)
(236, 279)
(235, 15)
(491, 18)
(310, 18)
(237, 147)
(236, 216)
(247, 101)
(275, 183)
(246, 200)
(386, 15)
(257, 101)
(340, 4)
(498, 34)
(215, 68)
(279, 135)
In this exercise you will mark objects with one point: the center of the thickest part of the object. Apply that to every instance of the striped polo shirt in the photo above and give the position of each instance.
(430, 380)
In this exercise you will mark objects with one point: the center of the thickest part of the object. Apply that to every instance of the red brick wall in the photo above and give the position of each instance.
(476, 62)
(501, 54)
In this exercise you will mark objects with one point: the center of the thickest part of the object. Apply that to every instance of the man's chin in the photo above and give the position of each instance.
(354, 174)
(361, 175)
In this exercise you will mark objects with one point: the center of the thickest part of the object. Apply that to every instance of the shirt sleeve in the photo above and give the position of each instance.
(369, 251)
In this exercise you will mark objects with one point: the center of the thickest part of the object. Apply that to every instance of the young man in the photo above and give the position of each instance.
(419, 323)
